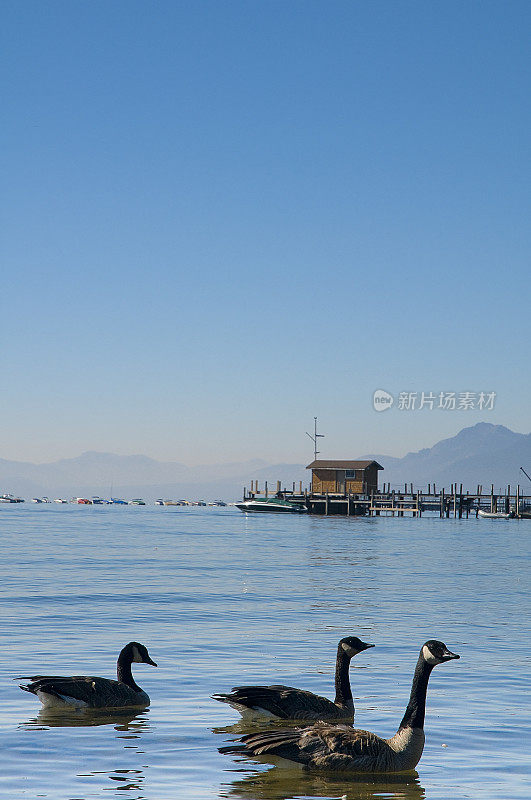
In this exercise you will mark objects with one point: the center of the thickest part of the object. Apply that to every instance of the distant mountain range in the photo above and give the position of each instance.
(107, 474)
(483, 453)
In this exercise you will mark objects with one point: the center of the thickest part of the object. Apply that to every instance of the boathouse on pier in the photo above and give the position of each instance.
(344, 477)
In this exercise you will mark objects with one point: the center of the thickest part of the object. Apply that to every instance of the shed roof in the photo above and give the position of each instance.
(320, 464)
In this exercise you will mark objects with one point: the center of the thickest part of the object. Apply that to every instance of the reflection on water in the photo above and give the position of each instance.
(280, 783)
(126, 772)
(125, 780)
(130, 728)
(124, 720)
(128, 779)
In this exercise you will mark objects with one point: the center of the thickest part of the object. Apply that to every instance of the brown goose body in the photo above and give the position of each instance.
(288, 702)
(82, 691)
(340, 748)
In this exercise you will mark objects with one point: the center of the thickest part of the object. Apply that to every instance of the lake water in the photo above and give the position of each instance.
(221, 598)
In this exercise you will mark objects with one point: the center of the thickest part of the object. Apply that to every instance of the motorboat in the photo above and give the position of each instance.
(117, 501)
(271, 505)
(495, 514)
(36, 500)
(159, 502)
(137, 501)
(9, 498)
(60, 500)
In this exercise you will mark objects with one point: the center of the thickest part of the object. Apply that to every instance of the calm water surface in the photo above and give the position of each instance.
(221, 598)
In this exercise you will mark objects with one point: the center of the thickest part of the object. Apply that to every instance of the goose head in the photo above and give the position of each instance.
(352, 646)
(435, 652)
(138, 653)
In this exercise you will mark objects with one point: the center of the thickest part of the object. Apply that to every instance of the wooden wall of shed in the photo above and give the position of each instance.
(323, 480)
(354, 486)
(371, 478)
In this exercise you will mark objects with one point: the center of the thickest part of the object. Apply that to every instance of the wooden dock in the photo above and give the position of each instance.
(452, 503)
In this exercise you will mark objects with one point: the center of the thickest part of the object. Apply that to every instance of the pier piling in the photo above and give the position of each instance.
(414, 502)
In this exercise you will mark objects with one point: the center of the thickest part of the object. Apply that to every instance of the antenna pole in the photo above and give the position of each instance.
(525, 473)
(314, 438)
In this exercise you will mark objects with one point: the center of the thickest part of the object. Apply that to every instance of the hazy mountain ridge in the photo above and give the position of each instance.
(483, 453)
(94, 473)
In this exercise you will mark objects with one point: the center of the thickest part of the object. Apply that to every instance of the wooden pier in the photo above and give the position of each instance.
(452, 503)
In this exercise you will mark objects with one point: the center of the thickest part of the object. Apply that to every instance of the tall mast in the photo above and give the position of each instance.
(314, 438)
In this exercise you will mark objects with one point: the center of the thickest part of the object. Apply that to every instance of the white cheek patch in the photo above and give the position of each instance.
(428, 656)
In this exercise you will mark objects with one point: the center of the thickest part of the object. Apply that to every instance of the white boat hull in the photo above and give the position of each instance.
(493, 514)
(269, 508)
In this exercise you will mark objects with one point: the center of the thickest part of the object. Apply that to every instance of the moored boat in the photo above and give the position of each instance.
(495, 514)
(271, 505)
(9, 498)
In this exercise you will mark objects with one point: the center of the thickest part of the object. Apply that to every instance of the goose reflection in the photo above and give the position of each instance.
(131, 781)
(277, 783)
(124, 720)
(127, 780)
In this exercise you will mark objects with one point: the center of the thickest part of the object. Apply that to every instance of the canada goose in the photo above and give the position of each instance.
(341, 748)
(285, 702)
(87, 692)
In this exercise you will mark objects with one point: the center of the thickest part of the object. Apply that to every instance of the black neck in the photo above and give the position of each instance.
(343, 692)
(123, 670)
(416, 708)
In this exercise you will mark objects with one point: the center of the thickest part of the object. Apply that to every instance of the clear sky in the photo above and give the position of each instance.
(223, 218)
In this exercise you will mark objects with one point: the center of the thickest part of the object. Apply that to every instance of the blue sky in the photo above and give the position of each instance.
(223, 218)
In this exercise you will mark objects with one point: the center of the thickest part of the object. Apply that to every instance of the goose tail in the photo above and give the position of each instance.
(223, 698)
(274, 742)
(233, 748)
